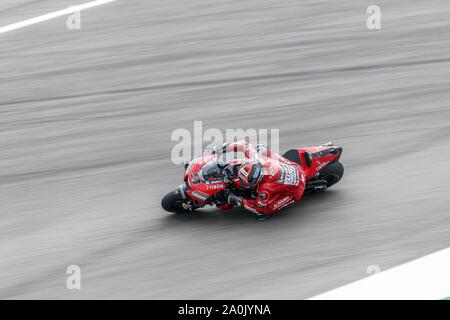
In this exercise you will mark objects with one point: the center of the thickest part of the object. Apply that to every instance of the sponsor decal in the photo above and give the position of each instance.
(289, 175)
(213, 181)
(286, 204)
(200, 195)
(283, 202)
(321, 165)
(214, 186)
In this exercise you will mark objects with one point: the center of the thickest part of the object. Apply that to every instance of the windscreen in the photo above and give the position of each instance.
(211, 171)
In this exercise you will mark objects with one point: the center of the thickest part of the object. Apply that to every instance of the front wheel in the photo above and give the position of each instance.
(332, 173)
(174, 202)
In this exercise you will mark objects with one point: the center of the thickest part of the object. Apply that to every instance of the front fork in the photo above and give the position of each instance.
(187, 202)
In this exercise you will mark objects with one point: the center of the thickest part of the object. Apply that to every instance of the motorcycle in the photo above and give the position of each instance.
(207, 179)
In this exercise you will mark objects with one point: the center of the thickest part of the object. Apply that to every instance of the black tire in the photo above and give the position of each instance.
(173, 202)
(332, 173)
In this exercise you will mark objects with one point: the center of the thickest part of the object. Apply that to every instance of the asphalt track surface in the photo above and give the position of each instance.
(86, 118)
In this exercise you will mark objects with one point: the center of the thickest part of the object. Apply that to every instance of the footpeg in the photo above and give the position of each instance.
(320, 188)
(317, 185)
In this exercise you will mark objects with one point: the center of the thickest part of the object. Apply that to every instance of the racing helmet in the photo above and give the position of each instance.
(250, 174)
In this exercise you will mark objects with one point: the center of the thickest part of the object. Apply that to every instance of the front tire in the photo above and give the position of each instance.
(173, 202)
(332, 173)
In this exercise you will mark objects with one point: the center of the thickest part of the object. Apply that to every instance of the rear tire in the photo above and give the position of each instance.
(332, 173)
(173, 202)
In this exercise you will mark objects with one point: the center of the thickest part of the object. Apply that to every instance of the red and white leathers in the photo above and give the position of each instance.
(283, 181)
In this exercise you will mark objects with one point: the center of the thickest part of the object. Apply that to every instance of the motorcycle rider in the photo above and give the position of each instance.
(277, 181)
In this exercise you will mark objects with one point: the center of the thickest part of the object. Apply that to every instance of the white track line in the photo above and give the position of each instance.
(422, 279)
(53, 15)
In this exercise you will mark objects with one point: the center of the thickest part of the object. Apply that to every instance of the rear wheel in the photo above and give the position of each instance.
(332, 173)
(174, 202)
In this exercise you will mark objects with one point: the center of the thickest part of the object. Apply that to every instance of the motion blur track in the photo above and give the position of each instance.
(85, 124)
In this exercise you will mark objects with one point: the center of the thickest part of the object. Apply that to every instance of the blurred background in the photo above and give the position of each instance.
(86, 118)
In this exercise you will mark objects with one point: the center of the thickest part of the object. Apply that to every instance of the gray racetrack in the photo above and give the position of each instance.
(86, 119)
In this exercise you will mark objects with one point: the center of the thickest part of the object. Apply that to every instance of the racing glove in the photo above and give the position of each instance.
(235, 200)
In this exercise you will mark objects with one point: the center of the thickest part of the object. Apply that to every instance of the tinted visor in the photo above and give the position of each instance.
(253, 177)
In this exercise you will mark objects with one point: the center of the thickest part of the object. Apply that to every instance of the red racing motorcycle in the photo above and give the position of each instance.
(206, 179)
